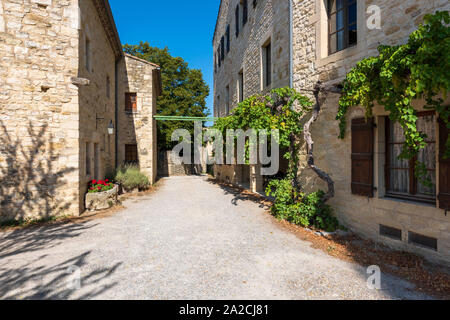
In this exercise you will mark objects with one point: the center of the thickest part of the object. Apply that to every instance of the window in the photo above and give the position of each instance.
(342, 24)
(108, 87)
(255, 3)
(222, 48)
(244, 12)
(236, 14)
(227, 35)
(88, 54)
(88, 159)
(96, 161)
(218, 57)
(131, 153)
(218, 106)
(401, 181)
(215, 63)
(130, 102)
(227, 100)
(241, 86)
(267, 65)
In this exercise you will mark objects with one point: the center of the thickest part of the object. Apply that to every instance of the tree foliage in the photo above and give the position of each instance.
(184, 91)
(401, 74)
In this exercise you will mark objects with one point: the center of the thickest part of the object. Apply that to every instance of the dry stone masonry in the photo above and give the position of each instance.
(422, 228)
(57, 99)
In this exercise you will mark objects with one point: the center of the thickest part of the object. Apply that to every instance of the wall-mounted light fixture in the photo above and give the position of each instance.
(111, 128)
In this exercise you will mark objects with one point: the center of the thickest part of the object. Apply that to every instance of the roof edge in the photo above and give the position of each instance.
(217, 21)
(141, 60)
(106, 17)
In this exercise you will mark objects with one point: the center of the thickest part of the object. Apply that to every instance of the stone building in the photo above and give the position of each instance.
(251, 55)
(72, 105)
(325, 40)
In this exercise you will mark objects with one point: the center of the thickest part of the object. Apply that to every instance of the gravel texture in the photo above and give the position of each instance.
(191, 239)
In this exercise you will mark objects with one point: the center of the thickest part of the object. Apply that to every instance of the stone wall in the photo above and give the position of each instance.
(268, 20)
(139, 127)
(39, 139)
(312, 63)
(96, 101)
(168, 167)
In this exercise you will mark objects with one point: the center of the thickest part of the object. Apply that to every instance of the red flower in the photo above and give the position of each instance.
(94, 181)
(107, 180)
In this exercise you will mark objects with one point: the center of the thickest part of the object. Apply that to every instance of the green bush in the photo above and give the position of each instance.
(130, 177)
(301, 209)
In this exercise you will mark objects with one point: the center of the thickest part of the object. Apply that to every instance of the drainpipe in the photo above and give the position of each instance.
(291, 45)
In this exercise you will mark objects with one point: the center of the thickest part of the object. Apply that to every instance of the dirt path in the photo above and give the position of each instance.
(189, 240)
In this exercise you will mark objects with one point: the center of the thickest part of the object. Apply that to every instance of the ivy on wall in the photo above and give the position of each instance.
(277, 111)
(401, 74)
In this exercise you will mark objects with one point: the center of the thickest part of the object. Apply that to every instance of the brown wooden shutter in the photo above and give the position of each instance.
(362, 157)
(130, 101)
(444, 168)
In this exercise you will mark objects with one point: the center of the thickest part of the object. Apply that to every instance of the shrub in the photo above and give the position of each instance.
(130, 177)
(96, 186)
(301, 209)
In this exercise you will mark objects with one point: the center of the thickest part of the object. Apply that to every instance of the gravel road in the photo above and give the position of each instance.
(191, 239)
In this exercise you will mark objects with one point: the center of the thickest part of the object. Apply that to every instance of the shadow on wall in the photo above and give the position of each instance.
(29, 181)
(32, 280)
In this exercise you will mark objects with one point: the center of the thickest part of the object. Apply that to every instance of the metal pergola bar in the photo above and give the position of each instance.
(181, 118)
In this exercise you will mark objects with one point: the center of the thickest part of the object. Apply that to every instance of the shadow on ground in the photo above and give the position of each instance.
(240, 194)
(424, 277)
(32, 280)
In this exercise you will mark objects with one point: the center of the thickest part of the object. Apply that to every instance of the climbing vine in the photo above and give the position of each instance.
(401, 74)
(283, 109)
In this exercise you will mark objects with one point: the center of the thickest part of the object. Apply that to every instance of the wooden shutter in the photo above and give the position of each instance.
(444, 168)
(130, 101)
(362, 157)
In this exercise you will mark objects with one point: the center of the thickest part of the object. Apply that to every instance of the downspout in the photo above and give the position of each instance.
(291, 45)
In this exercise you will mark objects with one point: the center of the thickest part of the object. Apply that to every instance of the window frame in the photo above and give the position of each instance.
(267, 64)
(88, 54)
(88, 170)
(129, 108)
(108, 87)
(227, 39)
(244, 12)
(227, 100)
(222, 48)
(346, 25)
(240, 86)
(413, 182)
(134, 151)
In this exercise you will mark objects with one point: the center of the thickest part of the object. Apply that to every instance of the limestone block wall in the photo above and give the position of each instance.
(268, 20)
(138, 76)
(96, 100)
(312, 63)
(168, 167)
(39, 168)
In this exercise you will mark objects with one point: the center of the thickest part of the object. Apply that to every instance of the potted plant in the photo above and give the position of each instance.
(102, 194)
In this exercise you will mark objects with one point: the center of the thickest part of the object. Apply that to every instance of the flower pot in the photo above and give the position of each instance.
(102, 200)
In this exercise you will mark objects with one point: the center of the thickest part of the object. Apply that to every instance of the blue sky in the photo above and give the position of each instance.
(184, 28)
